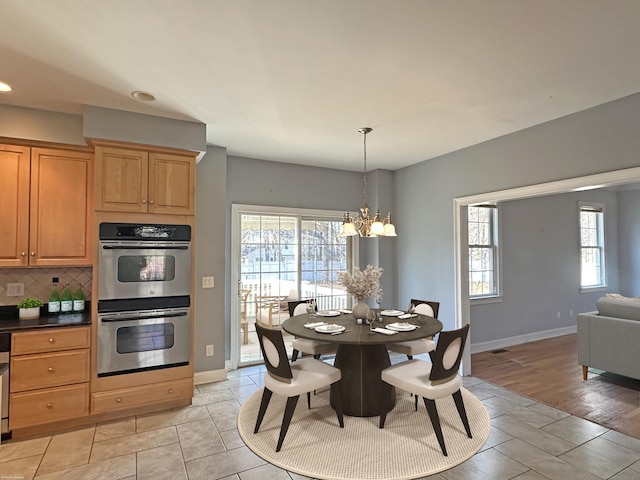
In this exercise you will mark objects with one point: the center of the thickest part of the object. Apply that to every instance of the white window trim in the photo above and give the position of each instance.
(497, 297)
(593, 288)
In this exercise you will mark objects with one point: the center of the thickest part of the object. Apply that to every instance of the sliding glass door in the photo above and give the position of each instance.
(284, 255)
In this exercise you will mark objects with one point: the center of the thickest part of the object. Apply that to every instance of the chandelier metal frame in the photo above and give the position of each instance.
(363, 224)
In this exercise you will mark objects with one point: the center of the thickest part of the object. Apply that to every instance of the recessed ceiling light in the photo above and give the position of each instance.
(5, 87)
(143, 96)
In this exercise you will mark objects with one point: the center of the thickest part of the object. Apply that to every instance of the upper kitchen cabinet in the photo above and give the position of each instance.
(46, 196)
(145, 181)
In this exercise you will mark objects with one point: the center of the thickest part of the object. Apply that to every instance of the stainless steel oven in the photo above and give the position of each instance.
(144, 260)
(156, 333)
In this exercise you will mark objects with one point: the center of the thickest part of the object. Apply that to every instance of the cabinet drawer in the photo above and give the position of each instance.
(49, 340)
(48, 405)
(144, 394)
(49, 370)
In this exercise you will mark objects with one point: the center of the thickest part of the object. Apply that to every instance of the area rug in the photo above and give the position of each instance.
(406, 448)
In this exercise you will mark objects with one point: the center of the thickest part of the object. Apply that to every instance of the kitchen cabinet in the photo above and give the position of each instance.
(49, 378)
(145, 181)
(125, 398)
(46, 195)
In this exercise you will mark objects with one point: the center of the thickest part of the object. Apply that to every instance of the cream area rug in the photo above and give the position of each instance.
(406, 448)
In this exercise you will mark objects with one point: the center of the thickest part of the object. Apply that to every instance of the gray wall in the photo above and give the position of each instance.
(541, 266)
(629, 242)
(597, 140)
(259, 182)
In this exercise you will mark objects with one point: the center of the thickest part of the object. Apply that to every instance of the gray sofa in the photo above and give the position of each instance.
(609, 339)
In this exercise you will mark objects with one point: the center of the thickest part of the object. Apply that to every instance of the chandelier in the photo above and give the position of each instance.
(364, 224)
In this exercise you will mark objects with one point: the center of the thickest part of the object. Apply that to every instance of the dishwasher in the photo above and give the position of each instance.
(5, 347)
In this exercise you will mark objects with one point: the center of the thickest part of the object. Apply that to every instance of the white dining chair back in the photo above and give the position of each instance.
(420, 345)
(292, 380)
(424, 309)
(300, 309)
(317, 348)
(432, 380)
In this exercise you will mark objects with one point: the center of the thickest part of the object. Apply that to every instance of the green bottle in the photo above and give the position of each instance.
(78, 300)
(66, 301)
(54, 300)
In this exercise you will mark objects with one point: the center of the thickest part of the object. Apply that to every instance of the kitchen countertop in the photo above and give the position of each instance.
(10, 322)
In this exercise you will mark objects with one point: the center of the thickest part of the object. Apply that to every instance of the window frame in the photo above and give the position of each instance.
(495, 246)
(598, 208)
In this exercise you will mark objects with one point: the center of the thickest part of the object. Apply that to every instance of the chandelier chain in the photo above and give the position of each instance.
(365, 167)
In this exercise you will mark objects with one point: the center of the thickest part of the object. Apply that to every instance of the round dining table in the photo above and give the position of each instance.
(362, 355)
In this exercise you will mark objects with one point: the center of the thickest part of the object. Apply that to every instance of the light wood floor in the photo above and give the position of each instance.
(548, 371)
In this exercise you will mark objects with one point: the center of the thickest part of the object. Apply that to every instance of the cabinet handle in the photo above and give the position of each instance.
(33, 254)
(151, 201)
(144, 200)
(118, 400)
(171, 391)
(23, 254)
(50, 369)
(49, 405)
(52, 340)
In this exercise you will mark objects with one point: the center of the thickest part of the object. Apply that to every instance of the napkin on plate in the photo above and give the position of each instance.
(314, 325)
(384, 330)
(407, 315)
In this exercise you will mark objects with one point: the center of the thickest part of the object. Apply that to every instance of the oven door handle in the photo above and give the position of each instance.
(145, 247)
(127, 319)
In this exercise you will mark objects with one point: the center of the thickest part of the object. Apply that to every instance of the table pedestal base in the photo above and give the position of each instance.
(361, 385)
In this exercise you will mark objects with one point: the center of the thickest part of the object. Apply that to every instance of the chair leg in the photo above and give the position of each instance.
(264, 403)
(385, 393)
(286, 420)
(336, 393)
(309, 400)
(317, 356)
(457, 397)
(294, 355)
(435, 421)
(415, 399)
(410, 357)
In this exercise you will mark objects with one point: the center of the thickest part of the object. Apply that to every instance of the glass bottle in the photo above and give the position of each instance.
(78, 300)
(66, 301)
(53, 306)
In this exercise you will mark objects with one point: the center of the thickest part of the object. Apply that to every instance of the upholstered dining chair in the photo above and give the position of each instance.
(305, 345)
(432, 380)
(291, 380)
(421, 345)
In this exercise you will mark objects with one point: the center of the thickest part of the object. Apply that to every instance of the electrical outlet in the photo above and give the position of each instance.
(15, 289)
(208, 282)
(209, 351)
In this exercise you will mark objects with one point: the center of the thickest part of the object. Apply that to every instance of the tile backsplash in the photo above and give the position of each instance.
(38, 282)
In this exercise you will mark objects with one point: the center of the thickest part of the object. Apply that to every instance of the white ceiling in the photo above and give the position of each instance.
(293, 80)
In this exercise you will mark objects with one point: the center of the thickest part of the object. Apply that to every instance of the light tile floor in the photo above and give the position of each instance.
(528, 441)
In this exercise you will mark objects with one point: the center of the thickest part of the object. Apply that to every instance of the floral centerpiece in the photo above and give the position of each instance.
(363, 284)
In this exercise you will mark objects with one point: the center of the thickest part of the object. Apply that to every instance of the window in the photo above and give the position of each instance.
(592, 272)
(483, 251)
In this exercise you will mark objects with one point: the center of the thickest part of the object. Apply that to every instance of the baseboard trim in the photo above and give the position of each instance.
(517, 340)
(209, 376)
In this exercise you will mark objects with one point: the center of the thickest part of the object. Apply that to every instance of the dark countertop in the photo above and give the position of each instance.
(10, 322)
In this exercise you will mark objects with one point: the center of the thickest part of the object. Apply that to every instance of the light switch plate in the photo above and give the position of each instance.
(15, 289)
(208, 282)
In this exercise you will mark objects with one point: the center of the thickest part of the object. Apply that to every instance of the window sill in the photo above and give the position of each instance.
(599, 288)
(484, 300)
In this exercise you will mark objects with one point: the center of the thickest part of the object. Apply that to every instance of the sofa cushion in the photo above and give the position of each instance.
(614, 307)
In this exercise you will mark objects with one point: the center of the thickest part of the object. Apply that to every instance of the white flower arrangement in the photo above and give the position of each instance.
(363, 284)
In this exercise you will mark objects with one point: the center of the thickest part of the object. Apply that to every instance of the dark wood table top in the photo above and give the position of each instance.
(361, 334)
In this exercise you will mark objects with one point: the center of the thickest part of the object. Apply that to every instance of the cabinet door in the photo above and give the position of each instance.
(172, 184)
(61, 208)
(14, 198)
(121, 180)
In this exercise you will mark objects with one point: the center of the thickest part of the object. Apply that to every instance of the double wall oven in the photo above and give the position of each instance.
(144, 292)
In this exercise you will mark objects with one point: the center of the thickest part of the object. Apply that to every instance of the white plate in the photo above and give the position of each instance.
(328, 313)
(391, 313)
(329, 328)
(401, 327)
